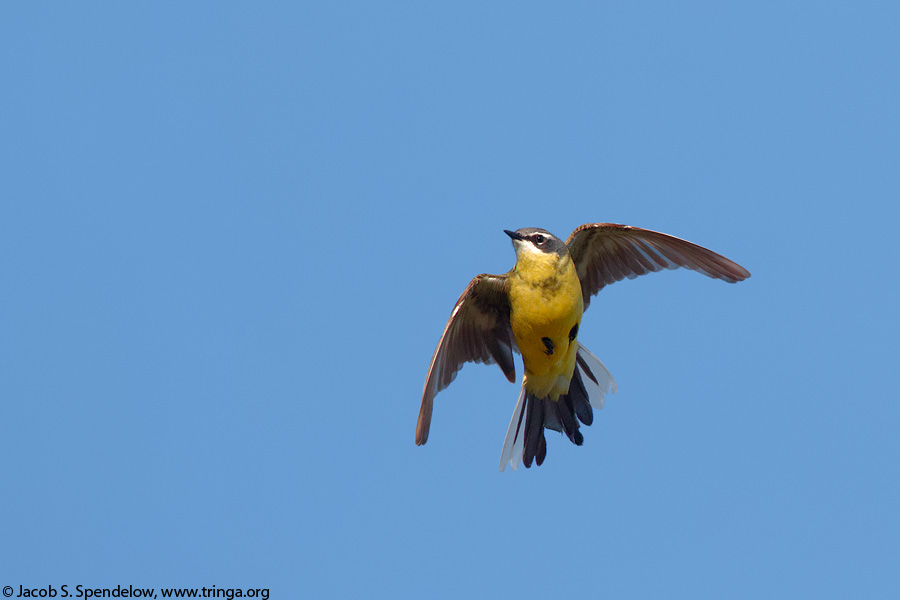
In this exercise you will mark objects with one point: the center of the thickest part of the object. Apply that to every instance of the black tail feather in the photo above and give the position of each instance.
(534, 430)
(580, 400)
(542, 451)
(567, 416)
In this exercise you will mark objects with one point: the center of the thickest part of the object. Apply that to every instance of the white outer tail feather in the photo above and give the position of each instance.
(513, 444)
(606, 384)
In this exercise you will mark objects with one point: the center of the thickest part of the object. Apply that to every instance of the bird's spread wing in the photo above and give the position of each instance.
(478, 331)
(606, 252)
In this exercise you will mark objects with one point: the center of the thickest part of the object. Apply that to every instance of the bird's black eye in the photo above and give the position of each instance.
(539, 239)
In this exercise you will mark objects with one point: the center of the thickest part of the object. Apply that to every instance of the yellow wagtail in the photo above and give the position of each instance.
(535, 309)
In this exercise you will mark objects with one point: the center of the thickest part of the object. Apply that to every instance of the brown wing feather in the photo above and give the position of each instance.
(606, 252)
(478, 331)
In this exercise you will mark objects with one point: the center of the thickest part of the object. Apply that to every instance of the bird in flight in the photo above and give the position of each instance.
(535, 309)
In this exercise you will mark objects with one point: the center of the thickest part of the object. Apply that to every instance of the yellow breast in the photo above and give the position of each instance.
(546, 307)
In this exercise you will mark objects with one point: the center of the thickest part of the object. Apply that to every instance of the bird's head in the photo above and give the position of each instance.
(536, 241)
(539, 253)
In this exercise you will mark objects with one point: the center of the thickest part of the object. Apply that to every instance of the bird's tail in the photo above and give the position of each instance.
(591, 381)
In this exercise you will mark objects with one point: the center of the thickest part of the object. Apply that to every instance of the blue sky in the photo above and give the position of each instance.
(232, 234)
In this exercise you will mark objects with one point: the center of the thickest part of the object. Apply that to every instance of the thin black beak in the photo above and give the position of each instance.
(513, 234)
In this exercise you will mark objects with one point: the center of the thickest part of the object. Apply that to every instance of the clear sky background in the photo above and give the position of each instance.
(231, 235)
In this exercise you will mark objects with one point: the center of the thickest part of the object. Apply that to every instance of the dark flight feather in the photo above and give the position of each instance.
(478, 331)
(606, 252)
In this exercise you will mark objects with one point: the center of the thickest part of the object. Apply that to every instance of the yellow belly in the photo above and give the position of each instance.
(546, 312)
